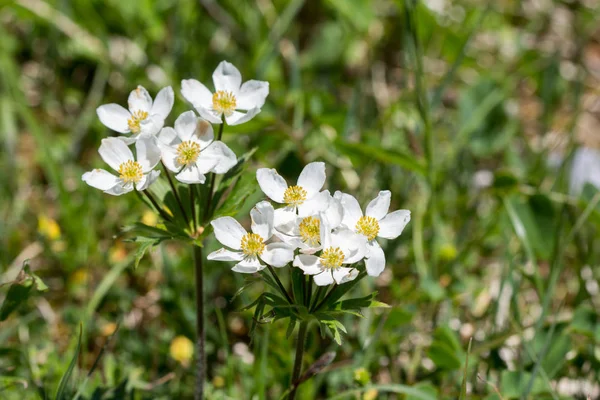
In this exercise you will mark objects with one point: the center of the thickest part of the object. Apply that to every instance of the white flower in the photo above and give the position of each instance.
(131, 172)
(584, 169)
(305, 232)
(230, 95)
(303, 197)
(375, 223)
(250, 248)
(339, 247)
(190, 149)
(143, 118)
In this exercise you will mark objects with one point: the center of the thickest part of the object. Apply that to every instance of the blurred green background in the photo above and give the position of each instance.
(469, 112)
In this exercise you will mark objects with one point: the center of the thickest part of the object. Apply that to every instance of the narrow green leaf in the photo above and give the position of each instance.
(64, 380)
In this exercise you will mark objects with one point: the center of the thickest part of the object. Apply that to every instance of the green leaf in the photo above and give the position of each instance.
(513, 384)
(64, 380)
(445, 351)
(144, 245)
(240, 191)
(416, 392)
(20, 290)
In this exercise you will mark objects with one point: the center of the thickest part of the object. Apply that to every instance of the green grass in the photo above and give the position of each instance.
(391, 95)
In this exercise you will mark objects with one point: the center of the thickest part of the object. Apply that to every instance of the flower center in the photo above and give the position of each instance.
(310, 231)
(332, 257)
(253, 244)
(188, 152)
(294, 195)
(136, 118)
(130, 172)
(224, 102)
(368, 226)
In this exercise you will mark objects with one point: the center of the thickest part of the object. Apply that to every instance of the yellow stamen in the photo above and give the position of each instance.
(332, 257)
(136, 118)
(188, 152)
(253, 244)
(294, 195)
(368, 226)
(130, 172)
(310, 231)
(224, 102)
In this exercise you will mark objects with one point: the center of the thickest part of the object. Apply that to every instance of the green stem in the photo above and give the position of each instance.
(308, 290)
(213, 176)
(158, 208)
(318, 295)
(326, 297)
(175, 192)
(200, 334)
(193, 207)
(298, 360)
(281, 287)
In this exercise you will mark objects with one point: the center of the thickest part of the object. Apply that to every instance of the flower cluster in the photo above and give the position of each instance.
(189, 148)
(324, 235)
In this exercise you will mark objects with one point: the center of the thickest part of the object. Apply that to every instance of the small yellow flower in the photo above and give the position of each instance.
(448, 252)
(108, 329)
(48, 227)
(182, 350)
(218, 382)
(362, 376)
(149, 218)
(78, 277)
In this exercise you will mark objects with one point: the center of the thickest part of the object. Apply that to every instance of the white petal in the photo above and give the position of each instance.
(352, 211)
(139, 100)
(379, 206)
(114, 117)
(185, 125)
(392, 225)
(100, 179)
(224, 158)
(206, 164)
(312, 178)
(225, 255)
(343, 274)
(585, 168)
(237, 118)
(248, 266)
(375, 259)
(353, 245)
(147, 180)
(128, 140)
(151, 126)
(169, 158)
(334, 213)
(168, 136)
(211, 116)
(204, 133)
(120, 189)
(196, 93)
(278, 254)
(229, 232)
(148, 153)
(324, 278)
(308, 263)
(252, 95)
(190, 174)
(314, 205)
(286, 221)
(114, 152)
(271, 183)
(262, 219)
(163, 103)
(227, 77)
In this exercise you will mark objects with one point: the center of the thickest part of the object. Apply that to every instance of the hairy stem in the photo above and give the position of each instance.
(213, 176)
(200, 334)
(281, 287)
(298, 360)
(177, 198)
(193, 207)
(159, 209)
